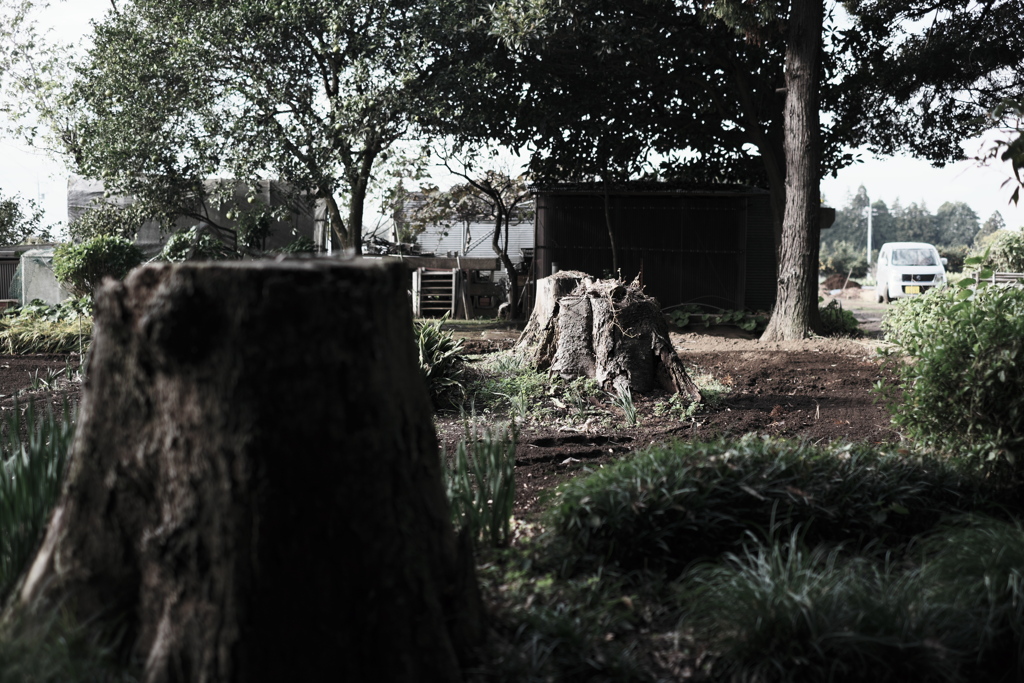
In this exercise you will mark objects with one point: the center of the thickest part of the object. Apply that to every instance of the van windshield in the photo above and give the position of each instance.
(913, 257)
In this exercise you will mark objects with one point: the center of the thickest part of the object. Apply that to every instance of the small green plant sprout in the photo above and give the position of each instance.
(623, 400)
(480, 484)
(676, 406)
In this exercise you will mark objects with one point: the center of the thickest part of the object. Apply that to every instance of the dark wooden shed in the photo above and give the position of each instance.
(711, 245)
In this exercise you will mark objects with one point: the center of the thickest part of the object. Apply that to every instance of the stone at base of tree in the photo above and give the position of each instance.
(605, 330)
(255, 492)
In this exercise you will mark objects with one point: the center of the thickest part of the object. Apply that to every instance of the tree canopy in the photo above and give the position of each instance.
(597, 89)
(953, 224)
(21, 219)
(314, 93)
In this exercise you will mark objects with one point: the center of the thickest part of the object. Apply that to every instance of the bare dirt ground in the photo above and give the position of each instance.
(817, 389)
(37, 377)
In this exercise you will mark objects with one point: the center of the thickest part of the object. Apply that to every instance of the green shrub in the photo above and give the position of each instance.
(843, 258)
(480, 484)
(194, 245)
(909, 319)
(962, 381)
(1002, 251)
(83, 266)
(670, 505)
(837, 321)
(441, 361)
(34, 456)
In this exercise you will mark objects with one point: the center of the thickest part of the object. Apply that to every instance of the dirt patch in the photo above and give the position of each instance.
(38, 377)
(818, 390)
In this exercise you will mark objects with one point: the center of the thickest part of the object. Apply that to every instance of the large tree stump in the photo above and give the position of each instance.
(255, 491)
(608, 331)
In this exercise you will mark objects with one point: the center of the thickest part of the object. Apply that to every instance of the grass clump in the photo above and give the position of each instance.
(670, 505)
(961, 372)
(781, 612)
(950, 610)
(506, 381)
(480, 484)
(34, 456)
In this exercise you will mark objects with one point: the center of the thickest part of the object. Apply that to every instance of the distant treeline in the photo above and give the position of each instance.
(954, 228)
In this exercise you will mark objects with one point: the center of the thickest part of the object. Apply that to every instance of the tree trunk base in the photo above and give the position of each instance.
(607, 331)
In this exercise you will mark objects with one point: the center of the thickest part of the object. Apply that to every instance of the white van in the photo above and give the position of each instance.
(907, 269)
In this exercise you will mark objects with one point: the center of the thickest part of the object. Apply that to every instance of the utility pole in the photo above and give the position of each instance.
(870, 213)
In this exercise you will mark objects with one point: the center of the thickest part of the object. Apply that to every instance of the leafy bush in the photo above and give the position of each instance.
(837, 321)
(480, 483)
(1002, 251)
(40, 328)
(441, 361)
(34, 455)
(843, 258)
(83, 266)
(962, 385)
(670, 505)
(196, 245)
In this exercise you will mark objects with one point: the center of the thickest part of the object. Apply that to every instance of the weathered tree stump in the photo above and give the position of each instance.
(537, 342)
(255, 491)
(605, 330)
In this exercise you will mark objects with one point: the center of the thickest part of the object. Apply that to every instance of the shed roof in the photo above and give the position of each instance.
(649, 187)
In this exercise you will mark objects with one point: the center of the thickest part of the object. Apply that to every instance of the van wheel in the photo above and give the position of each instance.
(878, 297)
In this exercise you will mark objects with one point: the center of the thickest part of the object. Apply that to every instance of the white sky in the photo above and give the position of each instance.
(32, 174)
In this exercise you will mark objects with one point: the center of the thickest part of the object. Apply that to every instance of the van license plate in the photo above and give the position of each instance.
(912, 289)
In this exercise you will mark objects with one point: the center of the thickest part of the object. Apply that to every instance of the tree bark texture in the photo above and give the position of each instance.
(792, 317)
(255, 491)
(612, 333)
(537, 342)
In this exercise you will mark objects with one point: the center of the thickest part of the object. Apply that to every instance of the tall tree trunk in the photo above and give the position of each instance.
(255, 491)
(357, 201)
(792, 317)
(506, 263)
(335, 223)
